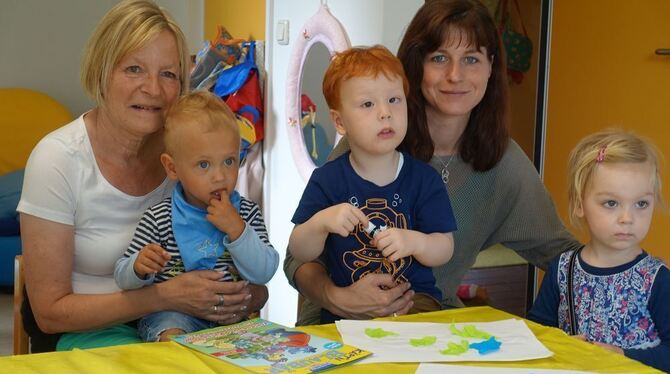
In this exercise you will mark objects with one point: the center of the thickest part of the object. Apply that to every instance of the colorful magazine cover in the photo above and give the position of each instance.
(265, 347)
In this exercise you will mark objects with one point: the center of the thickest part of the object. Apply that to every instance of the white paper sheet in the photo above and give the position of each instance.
(518, 342)
(444, 368)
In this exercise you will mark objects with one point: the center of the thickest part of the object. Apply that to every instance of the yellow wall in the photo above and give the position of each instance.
(604, 73)
(243, 19)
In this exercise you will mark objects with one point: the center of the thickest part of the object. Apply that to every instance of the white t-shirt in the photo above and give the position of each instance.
(63, 184)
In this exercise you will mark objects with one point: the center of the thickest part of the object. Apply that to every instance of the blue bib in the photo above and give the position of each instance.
(200, 243)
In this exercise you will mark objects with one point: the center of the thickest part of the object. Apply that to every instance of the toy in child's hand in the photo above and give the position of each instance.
(373, 229)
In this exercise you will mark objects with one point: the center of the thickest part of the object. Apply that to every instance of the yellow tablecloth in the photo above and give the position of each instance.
(164, 358)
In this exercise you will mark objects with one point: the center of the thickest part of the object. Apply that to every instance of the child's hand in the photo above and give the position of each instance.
(341, 219)
(223, 215)
(396, 243)
(151, 259)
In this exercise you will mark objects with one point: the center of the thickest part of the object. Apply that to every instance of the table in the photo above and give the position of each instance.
(163, 358)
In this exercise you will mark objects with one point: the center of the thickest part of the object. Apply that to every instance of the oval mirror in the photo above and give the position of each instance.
(310, 133)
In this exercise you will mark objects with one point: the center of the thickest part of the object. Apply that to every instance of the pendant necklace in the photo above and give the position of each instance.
(445, 168)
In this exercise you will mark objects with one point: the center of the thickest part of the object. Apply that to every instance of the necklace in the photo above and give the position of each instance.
(445, 168)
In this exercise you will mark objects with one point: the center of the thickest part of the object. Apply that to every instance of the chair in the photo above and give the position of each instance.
(20, 335)
(27, 116)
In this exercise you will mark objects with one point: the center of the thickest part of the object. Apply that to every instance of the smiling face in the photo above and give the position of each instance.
(143, 84)
(455, 77)
(618, 204)
(372, 114)
(206, 161)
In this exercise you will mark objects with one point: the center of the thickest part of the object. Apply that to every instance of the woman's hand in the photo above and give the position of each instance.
(201, 293)
(375, 295)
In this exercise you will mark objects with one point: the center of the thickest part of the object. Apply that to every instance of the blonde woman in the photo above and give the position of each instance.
(87, 184)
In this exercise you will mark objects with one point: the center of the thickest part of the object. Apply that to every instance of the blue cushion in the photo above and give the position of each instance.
(10, 193)
(10, 246)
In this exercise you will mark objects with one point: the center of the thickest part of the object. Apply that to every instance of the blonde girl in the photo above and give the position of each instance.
(611, 292)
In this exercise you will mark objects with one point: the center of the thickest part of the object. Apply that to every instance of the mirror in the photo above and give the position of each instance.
(320, 38)
(317, 130)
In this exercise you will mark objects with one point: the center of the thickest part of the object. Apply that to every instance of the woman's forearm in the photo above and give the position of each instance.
(78, 312)
(312, 281)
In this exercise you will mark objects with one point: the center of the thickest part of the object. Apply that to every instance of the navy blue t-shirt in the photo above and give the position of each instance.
(416, 200)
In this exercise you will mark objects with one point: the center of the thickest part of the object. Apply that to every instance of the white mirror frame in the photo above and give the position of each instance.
(324, 28)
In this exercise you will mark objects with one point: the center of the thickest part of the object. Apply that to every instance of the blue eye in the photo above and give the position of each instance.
(203, 164)
(229, 161)
(642, 204)
(367, 104)
(169, 74)
(469, 60)
(610, 204)
(133, 69)
(438, 59)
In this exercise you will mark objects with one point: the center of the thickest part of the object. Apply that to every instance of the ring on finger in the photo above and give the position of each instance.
(220, 299)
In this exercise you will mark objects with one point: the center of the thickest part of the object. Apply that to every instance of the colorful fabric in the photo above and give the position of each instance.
(611, 308)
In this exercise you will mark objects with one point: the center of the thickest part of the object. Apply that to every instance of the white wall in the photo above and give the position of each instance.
(41, 42)
(367, 22)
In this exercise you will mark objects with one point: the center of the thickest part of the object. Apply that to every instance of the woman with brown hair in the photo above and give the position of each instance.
(458, 122)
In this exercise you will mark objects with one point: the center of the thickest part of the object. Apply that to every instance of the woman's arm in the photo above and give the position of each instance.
(364, 299)
(48, 250)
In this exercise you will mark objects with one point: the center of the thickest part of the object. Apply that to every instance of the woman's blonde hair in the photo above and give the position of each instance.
(608, 146)
(126, 27)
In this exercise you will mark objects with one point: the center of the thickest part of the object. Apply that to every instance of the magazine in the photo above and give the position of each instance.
(262, 346)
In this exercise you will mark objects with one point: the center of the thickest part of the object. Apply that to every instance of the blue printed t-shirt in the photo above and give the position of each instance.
(415, 200)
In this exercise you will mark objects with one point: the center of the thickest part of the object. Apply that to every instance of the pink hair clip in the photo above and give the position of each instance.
(601, 154)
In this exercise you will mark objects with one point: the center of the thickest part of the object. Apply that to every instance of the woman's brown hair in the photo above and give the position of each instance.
(486, 135)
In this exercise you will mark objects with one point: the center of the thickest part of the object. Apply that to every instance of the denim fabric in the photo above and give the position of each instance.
(151, 326)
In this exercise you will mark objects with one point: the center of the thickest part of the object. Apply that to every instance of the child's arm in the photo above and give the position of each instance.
(126, 274)
(659, 308)
(308, 239)
(139, 268)
(545, 308)
(432, 249)
(254, 257)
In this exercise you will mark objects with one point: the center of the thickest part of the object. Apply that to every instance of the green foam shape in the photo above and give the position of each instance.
(378, 333)
(454, 349)
(469, 331)
(422, 342)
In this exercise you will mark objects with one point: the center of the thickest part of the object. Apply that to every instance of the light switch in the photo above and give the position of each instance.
(282, 31)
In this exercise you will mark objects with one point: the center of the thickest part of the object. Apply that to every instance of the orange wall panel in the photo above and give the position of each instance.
(604, 73)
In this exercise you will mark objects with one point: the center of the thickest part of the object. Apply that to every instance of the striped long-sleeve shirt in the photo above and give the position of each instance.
(251, 255)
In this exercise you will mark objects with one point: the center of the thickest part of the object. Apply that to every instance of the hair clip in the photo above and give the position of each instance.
(601, 154)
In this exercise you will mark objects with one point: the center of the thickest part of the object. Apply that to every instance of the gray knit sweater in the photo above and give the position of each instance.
(507, 204)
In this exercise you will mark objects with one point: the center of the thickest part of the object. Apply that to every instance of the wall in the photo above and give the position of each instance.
(603, 73)
(523, 95)
(366, 22)
(242, 19)
(41, 42)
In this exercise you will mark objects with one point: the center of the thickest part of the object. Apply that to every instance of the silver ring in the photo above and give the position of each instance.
(220, 299)
(215, 308)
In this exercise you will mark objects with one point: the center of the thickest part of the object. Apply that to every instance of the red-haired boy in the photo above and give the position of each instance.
(374, 209)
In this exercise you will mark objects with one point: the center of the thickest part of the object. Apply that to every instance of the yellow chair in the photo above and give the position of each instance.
(27, 116)
(20, 336)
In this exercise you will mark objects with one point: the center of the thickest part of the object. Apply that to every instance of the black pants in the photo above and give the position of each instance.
(39, 340)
